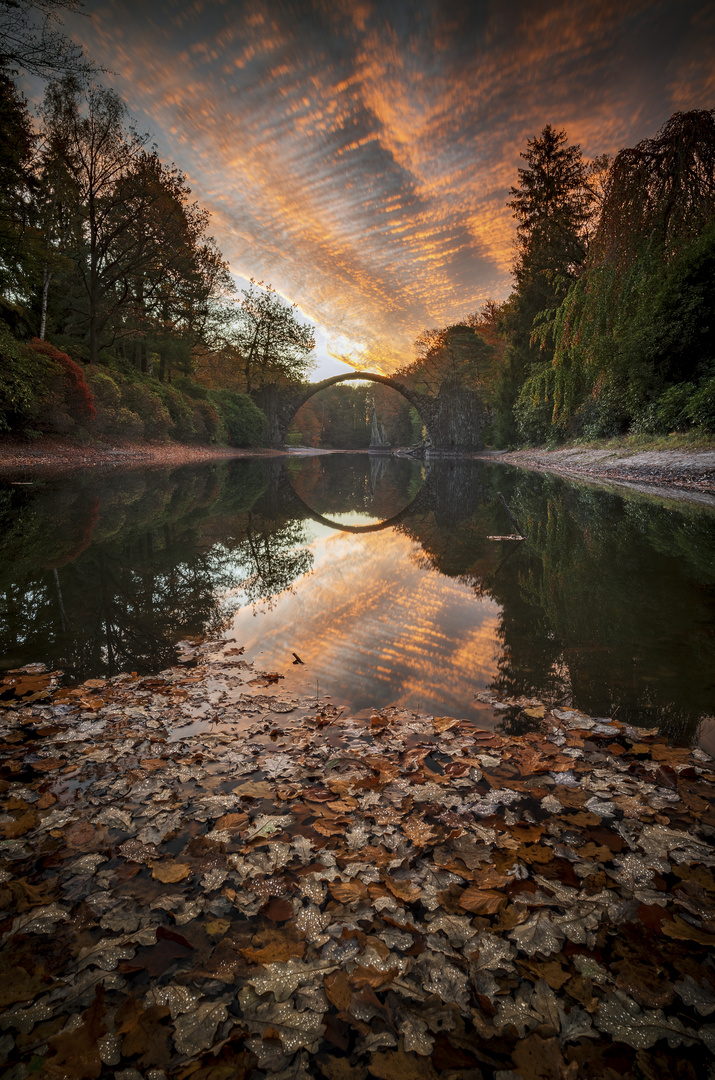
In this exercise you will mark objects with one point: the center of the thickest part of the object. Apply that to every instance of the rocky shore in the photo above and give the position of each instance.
(685, 469)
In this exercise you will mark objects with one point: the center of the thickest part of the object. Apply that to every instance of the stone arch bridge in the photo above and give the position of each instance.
(454, 417)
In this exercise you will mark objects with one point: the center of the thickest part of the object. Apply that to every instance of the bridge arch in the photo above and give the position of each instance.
(281, 405)
(412, 396)
(454, 417)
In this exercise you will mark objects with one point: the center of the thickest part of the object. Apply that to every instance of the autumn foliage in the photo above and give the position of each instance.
(78, 395)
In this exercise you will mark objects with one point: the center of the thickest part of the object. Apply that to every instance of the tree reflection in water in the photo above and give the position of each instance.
(609, 604)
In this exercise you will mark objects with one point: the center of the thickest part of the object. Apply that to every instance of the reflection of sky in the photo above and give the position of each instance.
(358, 154)
(374, 629)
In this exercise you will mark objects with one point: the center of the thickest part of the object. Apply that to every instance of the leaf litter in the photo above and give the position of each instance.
(199, 880)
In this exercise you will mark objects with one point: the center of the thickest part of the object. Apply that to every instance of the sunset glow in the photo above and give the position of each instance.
(359, 155)
(374, 628)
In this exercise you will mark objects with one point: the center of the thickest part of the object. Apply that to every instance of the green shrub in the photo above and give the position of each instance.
(126, 424)
(243, 421)
(187, 386)
(534, 409)
(104, 388)
(209, 426)
(701, 407)
(673, 407)
(24, 380)
(141, 398)
(183, 425)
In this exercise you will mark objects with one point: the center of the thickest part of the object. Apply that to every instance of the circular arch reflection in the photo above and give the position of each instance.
(373, 527)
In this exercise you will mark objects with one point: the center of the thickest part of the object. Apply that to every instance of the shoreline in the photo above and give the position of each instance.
(59, 455)
(56, 455)
(676, 473)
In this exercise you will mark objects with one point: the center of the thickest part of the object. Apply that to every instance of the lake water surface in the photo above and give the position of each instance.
(380, 575)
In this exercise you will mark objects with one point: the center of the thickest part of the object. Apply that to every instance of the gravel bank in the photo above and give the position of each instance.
(690, 470)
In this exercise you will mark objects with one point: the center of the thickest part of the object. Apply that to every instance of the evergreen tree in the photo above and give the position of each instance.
(554, 205)
(17, 143)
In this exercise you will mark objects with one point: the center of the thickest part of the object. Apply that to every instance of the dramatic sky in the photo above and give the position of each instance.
(357, 154)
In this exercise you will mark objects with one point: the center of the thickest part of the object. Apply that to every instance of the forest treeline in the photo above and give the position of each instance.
(119, 316)
(609, 329)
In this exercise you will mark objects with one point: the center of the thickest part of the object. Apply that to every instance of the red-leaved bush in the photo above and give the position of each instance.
(79, 396)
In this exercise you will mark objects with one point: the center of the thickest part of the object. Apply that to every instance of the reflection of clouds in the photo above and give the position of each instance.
(359, 155)
(374, 629)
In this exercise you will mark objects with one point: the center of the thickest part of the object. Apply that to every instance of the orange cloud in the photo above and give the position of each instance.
(374, 629)
(359, 156)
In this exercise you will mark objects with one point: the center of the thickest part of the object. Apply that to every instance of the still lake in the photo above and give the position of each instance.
(379, 573)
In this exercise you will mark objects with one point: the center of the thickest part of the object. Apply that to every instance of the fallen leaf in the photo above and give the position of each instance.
(481, 901)
(403, 890)
(145, 1036)
(397, 1065)
(170, 872)
(338, 990)
(76, 1054)
(278, 909)
(348, 892)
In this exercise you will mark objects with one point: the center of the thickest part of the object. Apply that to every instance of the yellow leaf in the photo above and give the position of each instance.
(217, 927)
(170, 872)
(443, 723)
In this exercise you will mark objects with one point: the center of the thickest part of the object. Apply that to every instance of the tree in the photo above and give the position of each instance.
(17, 143)
(553, 204)
(274, 345)
(145, 269)
(171, 273)
(87, 124)
(458, 354)
(660, 192)
(31, 42)
(639, 320)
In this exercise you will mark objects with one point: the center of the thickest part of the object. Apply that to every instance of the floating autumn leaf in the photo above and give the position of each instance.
(254, 789)
(418, 831)
(348, 892)
(316, 794)
(330, 828)
(278, 909)
(443, 723)
(12, 829)
(196, 1029)
(217, 927)
(403, 890)
(76, 1053)
(624, 1021)
(481, 901)
(282, 980)
(231, 822)
(48, 764)
(145, 1036)
(367, 975)
(170, 872)
(79, 834)
(271, 945)
(338, 990)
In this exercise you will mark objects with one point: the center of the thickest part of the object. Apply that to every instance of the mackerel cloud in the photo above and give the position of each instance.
(358, 155)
